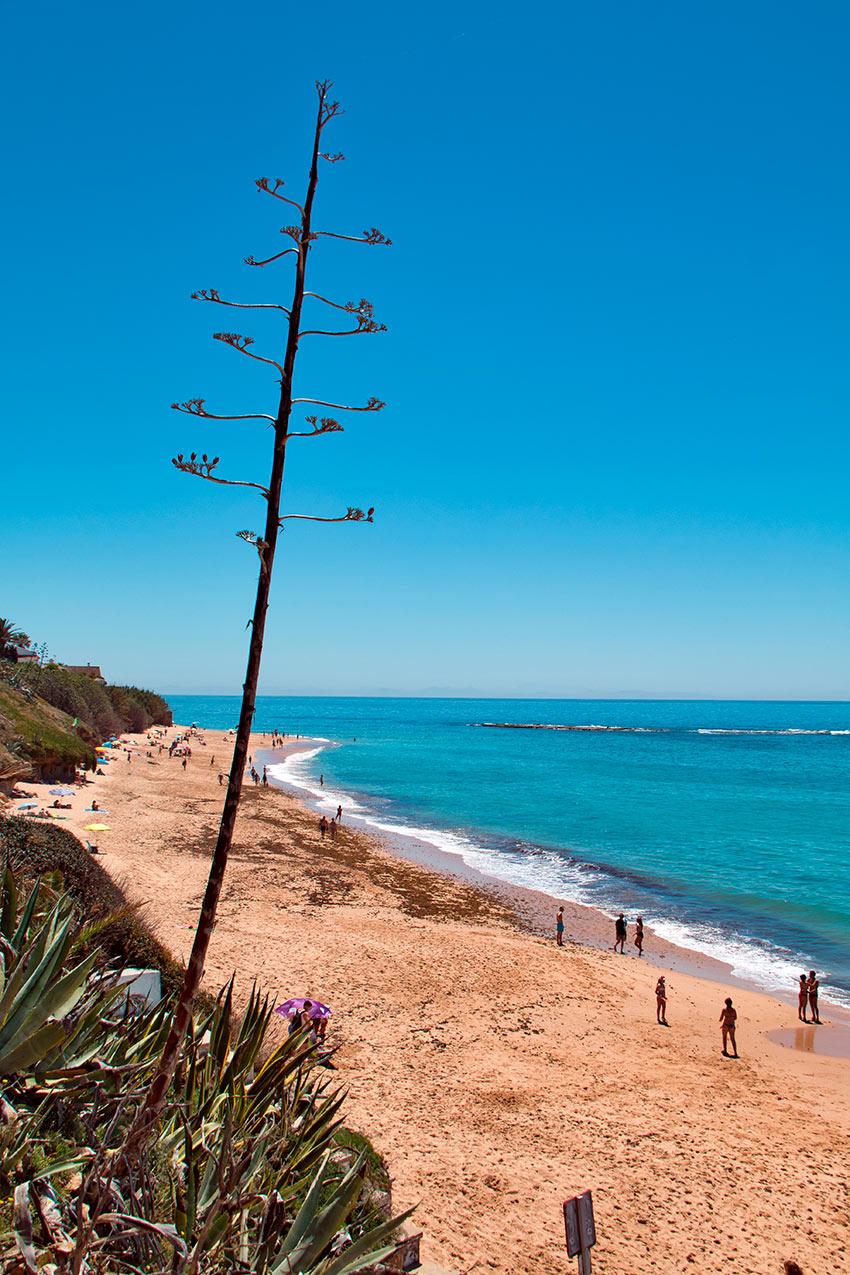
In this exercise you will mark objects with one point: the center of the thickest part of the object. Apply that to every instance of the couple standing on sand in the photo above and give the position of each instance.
(728, 1017)
(808, 995)
(331, 827)
(621, 932)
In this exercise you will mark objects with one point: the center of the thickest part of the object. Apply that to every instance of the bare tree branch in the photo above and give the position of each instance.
(374, 405)
(211, 294)
(195, 407)
(351, 515)
(203, 469)
(238, 342)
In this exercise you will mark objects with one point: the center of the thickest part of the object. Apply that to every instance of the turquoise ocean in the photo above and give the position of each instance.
(727, 824)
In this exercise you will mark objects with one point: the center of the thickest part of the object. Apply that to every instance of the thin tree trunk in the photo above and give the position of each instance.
(158, 1089)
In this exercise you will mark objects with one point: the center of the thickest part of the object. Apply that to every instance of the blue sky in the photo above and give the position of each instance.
(615, 456)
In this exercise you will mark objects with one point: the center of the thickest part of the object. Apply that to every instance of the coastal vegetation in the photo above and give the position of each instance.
(53, 717)
(250, 1169)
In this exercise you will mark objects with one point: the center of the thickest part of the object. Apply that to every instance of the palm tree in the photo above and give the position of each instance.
(11, 636)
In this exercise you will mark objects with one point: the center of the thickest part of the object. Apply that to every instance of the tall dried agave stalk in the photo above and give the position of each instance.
(303, 236)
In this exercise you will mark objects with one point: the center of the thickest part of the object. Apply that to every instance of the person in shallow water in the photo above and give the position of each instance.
(813, 985)
(803, 998)
(728, 1019)
(619, 932)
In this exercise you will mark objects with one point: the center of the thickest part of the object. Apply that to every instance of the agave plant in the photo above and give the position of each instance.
(49, 1013)
(248, 1173)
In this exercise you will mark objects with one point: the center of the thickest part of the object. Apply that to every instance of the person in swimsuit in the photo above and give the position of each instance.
(813, 986)
(639, 935)
(619, 932)
(728, 1018)
(803, 998)
(559, 927)
(661, 1002)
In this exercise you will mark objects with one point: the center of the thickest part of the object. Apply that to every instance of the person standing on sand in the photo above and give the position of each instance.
(333, 829)
(559, 927)
(813, 986)
(803, 998)
(220, 779)
(661, 1002)
(323, 826)
(639, 935)
(619, 932)
(728, 1019)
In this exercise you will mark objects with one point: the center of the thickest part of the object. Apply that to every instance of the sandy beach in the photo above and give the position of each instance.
(497, 1073)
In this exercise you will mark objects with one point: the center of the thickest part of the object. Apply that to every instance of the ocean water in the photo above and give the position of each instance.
(727, 824)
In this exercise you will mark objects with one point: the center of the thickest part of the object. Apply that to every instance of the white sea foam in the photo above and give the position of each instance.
(535, 868)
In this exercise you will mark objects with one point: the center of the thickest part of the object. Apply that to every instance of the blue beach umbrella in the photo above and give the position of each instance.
(28, 805)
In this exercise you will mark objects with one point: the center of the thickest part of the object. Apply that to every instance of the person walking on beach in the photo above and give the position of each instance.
(639, 935)
(339, 814)
(728, 1019)
(619, 932)
(803, 998)
(813, 987)
(661, 1002)
(323, 826)
(559, 927)
(333, 829)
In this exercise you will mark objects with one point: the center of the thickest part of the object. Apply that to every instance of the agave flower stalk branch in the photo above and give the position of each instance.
(241, 343)
(372, 236)
(373, 405)
(352, 515)
(252, 261)
(204, 469)
(213, 295)
(196, 407)
(146, 1118)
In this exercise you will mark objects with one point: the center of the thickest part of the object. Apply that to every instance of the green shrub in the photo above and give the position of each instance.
(33, 849)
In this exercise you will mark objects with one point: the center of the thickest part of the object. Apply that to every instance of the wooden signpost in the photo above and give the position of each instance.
(580, 1229)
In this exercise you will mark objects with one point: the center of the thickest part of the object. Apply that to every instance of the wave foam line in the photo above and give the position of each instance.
(535, 868)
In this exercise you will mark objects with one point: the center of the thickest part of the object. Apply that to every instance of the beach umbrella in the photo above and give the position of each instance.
(294, 1006)
(28, 805)
(61, 792)
(97, 827)
(90, 810)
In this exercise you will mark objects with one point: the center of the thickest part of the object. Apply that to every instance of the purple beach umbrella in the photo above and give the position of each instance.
(295, 1006)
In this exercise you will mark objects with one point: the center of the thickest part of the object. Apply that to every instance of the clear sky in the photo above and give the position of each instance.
(615, 456)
